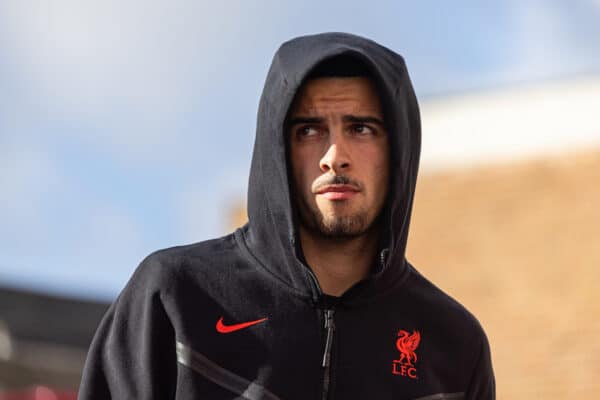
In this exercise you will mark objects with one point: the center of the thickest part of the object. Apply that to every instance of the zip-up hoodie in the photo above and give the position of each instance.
(243, 316)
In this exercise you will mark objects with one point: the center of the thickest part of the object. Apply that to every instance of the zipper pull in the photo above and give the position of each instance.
(329, 327)
(383, 257)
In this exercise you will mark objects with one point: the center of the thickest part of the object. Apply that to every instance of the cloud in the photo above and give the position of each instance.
(93, 257)
(548, 41)
(55, 234)
(108, 247)
(129, 67)
(28, 173)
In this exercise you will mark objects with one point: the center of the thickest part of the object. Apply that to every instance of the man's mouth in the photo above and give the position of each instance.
(337, 192)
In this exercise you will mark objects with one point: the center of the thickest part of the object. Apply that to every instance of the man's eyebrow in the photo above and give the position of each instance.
(306, 120)
(362, 119)
(358, 119)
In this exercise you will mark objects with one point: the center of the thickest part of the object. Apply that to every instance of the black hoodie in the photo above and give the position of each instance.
(243, 317)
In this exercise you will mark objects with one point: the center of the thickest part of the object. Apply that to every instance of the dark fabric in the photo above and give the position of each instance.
(178, 294)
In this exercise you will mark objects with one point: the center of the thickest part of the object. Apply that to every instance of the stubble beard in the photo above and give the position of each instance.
(333, 227)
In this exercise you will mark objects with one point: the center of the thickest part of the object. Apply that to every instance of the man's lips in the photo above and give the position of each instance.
(337, 192)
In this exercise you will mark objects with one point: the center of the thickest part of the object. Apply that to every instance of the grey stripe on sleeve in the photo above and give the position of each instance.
(244, 388)
(444, 396)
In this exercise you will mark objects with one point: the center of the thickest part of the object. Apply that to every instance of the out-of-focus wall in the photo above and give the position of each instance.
(519, 245)
(508, 223)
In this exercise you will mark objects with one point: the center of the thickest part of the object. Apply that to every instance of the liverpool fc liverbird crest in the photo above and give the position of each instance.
(407, 344)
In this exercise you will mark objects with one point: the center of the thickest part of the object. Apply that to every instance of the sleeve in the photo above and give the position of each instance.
(132, 355)
(482, 385)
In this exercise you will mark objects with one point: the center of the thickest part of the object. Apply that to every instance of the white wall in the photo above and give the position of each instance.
(511, 123)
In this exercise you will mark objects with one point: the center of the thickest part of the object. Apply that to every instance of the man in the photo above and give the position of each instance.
(313, 298)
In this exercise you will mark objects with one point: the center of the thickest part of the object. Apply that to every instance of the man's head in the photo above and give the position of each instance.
(282, 201)
(339, 150)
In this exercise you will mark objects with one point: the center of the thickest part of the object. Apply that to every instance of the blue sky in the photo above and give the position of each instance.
(127, 126)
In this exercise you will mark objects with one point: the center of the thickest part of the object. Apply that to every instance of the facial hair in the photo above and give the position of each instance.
(333, 227)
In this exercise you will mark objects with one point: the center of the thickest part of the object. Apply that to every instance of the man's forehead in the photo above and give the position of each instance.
(330, 93)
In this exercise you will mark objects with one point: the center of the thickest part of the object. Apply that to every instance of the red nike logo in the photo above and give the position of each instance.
(222, 328)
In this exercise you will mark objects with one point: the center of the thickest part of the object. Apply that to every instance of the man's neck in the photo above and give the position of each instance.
(339, 263)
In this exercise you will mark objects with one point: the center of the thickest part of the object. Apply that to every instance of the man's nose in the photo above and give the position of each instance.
(336, 159)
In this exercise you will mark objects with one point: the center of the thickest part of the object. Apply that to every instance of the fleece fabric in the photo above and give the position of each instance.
(243, 317)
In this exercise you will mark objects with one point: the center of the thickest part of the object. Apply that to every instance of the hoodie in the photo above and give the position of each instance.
(243, 316)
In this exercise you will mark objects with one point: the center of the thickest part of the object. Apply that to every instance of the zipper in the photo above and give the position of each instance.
(329, 325)
(383, 257)
(326, 364)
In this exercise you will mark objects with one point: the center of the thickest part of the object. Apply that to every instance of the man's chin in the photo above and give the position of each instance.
(335, 223)
(342, 227)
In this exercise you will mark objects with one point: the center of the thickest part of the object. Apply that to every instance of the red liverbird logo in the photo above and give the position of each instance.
(406, 344)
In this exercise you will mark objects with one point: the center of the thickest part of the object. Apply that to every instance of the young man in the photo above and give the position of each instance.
(313, 298)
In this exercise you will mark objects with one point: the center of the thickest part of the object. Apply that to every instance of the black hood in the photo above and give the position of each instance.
(271, 234)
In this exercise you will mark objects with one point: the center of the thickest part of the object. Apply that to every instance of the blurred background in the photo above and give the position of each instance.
(127, 126)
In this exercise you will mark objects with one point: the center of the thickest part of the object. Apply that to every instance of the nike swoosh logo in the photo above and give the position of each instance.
(222, 328)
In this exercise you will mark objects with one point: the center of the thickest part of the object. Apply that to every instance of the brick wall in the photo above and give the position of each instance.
(519, 245)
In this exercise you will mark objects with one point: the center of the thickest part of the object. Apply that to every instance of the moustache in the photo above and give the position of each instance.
(328, 180)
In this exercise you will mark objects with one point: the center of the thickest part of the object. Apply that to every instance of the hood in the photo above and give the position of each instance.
(271, 234)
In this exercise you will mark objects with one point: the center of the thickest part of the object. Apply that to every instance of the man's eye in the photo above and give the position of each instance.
(307, 131)
(362, 129)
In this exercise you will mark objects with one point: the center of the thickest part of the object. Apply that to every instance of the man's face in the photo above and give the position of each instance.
(340, 155)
